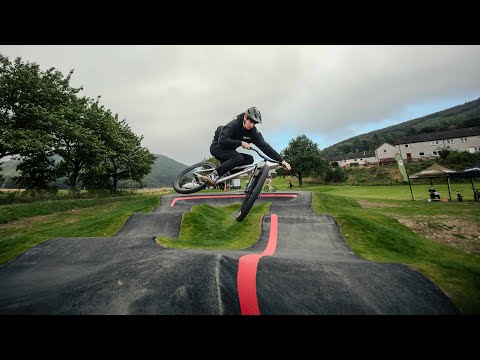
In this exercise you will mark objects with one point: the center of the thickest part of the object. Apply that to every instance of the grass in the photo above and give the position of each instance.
(215, 227)
(375, 234)
(69, 218)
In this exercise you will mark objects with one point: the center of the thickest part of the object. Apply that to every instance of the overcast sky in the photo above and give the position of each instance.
(176, 96)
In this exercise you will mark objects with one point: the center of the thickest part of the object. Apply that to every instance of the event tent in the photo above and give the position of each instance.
(434, 171)
(469, 173)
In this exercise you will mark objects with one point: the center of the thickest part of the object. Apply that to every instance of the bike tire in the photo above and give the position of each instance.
(265, 188)
(206, 166)
(274, 188)
(250, 198)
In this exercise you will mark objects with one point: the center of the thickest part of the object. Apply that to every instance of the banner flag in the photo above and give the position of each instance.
(401, 167)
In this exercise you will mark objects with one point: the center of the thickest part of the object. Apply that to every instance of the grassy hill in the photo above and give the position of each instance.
(164, 171)
(457, 117)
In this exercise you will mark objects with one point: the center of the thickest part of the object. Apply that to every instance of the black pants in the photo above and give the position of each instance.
(229, 158)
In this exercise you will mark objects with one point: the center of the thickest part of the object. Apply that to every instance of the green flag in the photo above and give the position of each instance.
(401, 166)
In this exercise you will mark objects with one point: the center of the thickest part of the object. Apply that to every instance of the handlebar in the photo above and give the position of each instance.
(264, 157)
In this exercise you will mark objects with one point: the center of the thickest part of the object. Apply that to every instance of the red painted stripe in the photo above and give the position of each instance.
(225, 196)
(247, 272)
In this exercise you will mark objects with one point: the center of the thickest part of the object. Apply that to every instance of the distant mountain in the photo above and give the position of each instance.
(164, 171)
(9, 168)
(457, 117)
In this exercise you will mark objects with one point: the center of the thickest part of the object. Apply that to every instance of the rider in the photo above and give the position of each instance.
(240, 131)
(269, 183)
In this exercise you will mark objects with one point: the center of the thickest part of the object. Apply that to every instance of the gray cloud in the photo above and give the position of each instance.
(176, 96)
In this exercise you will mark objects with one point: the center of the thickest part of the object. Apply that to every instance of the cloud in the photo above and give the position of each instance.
(176, 96)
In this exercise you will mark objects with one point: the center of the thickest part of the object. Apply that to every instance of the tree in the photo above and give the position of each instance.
(27, 94)
(335, 174)
(36, 172)
(124, 159)
(304, 156)
(78, 126)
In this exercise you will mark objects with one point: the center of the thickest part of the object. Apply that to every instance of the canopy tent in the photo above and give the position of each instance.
(471, 172)
(435, 171)
(468, 173)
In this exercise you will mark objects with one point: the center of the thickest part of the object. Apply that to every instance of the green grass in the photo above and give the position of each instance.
(215, 227)
(69, 218)
(375, 234)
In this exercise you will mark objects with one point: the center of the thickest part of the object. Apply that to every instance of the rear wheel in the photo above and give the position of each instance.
(252, 194)
(191, 179)
(265, 188)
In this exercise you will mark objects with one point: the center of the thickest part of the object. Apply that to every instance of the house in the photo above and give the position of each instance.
(385, 154)
(354, 159)
(427, 146)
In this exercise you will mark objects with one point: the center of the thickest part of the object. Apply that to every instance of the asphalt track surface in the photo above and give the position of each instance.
(301, 265)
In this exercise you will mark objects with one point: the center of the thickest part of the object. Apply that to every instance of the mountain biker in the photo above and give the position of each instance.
(240, 131)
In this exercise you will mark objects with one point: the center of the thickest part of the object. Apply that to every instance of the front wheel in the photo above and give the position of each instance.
(192, 179)
(274, 188)
(252, 194)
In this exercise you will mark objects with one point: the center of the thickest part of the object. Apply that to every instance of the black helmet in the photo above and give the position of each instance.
(254, 114)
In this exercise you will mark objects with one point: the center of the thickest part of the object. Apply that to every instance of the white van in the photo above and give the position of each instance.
(236, 184)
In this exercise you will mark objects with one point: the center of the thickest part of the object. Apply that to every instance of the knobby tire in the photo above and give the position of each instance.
(176, 183)
(251, 197)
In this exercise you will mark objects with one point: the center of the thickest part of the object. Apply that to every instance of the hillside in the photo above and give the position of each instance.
(457, 117)
(163, 173)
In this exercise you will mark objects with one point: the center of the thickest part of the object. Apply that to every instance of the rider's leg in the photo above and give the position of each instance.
(229, 159)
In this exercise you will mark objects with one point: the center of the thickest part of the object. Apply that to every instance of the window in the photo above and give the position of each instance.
(384, 150)
(435, 142)
(463, 140)
(408, 145)
(421, 154)
(449, 141)
(435, 153)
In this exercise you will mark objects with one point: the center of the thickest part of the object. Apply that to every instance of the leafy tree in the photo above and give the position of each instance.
(304, 156)
(427, 129)
(470, 123)
(77, 141)
(356, 144)
(412, 131)
(443, 153)
(345, 148)
(37, 172)
(125, 158)
(27, 94)
(335, 174)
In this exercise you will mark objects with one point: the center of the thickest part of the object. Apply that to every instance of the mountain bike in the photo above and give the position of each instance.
(193, 179)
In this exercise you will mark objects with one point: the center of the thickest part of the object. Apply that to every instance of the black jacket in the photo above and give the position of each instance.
(231, 136)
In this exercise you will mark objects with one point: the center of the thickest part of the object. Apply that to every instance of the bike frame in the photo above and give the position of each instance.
(250, 168)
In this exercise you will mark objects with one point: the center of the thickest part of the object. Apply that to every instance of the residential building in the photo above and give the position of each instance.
(427, 146)
(354, 159)
(385, 154)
